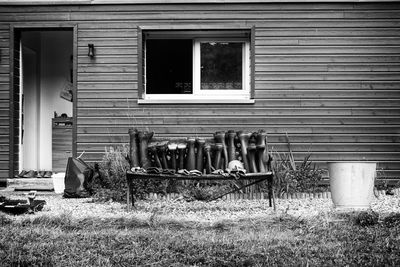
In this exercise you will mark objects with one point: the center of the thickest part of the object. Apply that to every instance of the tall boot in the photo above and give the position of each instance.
(252, 158)
(191, 155)
(217, 155)
(261, 137)
(181, 152)
(153, 150)
(231, 145)
(172, 149)
(200, 155)
(244, 142)
(162, 150)
(207, 152)
(144, 138)
(260, 158)
(220, 138)
(133, 148)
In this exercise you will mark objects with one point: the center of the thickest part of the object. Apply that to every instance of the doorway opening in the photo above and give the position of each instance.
(43, 101)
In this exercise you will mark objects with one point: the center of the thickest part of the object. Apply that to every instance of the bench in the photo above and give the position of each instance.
(228, 156)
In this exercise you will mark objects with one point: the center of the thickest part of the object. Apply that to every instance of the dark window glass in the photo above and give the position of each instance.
(169, 66)
(221, 65)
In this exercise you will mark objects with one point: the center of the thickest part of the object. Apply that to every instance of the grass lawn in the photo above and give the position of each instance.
(304, 232)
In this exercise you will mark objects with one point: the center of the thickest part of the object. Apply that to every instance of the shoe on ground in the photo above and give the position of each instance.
(30, 174)
(41, 174)
(21, 174)
(48, 174)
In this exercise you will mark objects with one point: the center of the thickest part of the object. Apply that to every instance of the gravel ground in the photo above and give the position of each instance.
(197, 212)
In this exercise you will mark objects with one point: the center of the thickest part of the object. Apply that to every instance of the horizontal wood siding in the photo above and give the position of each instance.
(4, 99)
(327, 74)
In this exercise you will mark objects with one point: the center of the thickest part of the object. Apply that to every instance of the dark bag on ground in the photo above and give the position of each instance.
(78, 179)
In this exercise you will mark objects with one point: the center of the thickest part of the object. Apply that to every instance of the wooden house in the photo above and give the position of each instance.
(327, 73)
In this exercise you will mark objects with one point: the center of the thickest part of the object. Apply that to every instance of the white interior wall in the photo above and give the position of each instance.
(56, 47)
(30, 117)
(53, 54)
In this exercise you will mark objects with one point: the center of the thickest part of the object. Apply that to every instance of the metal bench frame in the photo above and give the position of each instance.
(254, 178)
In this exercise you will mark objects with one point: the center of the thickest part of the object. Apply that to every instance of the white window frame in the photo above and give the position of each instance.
(200, 95)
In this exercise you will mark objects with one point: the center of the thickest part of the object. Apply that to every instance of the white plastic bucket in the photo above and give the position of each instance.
(352, 184)
(58, 182)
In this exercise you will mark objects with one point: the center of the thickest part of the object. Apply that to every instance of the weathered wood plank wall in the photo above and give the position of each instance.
(327, 74)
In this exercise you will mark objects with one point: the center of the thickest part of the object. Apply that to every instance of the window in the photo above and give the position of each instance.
(205, 66)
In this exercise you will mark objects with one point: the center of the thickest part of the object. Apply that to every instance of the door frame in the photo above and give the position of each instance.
(15, 36)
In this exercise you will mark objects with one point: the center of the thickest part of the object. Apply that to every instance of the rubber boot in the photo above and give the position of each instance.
(133, 148)
(162, 152)
(217, 155)
(260, 158)
(191, 155)
(172, 149)
(231, 145)
(153, 150)
(207, 153)
(252, 158)
(200, 155)
(181, 152)
(244, 142)
(261, 137)
(144, 138)
(220, 138)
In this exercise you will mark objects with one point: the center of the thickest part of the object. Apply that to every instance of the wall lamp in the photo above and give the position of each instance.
(91, 50)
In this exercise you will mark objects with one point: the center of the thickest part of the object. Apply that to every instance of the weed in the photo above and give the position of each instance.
(366, 218)
(392, 220)
(292, 177)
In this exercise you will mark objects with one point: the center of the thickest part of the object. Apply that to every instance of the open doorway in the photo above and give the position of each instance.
(44, 102)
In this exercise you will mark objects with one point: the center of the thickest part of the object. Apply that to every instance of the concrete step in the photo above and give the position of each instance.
(27, 184)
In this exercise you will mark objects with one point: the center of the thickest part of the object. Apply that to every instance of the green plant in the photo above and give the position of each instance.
(294, 177)
(366, 218)
(112, 185)
(392, 220)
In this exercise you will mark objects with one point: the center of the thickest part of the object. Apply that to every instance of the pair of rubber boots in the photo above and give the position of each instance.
(164, 155)
(253, 150)
(138, 148)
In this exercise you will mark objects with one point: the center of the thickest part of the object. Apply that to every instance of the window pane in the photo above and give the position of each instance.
(169, 66)
(221, 65)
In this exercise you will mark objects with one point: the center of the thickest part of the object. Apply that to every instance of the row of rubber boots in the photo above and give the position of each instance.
(197, 154)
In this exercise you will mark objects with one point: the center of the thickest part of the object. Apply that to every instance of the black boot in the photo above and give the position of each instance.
(162, 152)
(252, 158)
(172, 149)
(217, 156)
(220, 138)
(133, 148)
(153, 150)
(261, 138)
(207, 152)
(144, 138)
(191, 155)
(200, 155)
(231, 145)
(244, 142)
(181, 152)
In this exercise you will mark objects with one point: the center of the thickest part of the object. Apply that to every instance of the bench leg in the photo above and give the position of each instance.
(128, 198)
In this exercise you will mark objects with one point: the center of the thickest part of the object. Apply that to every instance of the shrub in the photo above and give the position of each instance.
(112, 185)
(291, 177)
